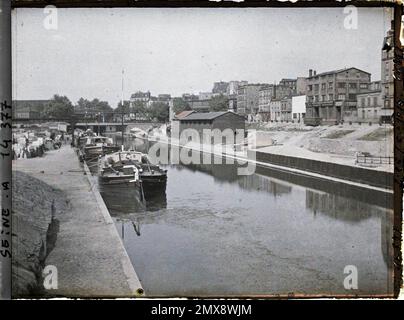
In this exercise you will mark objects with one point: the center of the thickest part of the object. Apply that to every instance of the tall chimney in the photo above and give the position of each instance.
(315, 72)
(310, 72)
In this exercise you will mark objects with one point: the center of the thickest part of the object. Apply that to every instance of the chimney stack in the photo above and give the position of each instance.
(310, 72)
(315, 72)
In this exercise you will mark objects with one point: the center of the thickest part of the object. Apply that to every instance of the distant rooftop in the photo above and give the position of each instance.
(140, 94)
(335, 71)
(183, 114)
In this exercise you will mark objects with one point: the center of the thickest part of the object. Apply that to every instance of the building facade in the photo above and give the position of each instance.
(28, 109)
(199, 105)
(265, 95)
(220, 87)
(247, 99)
(331, 96)
(233, 87)
(298, 108)
(164, 97)
(189, 96)
(140, 96)
(301, 86)
(387, 80)
(370, 103)
(231, 93)
(275, 110)
(205, 95)
(289, 83)
(286, 109)
(291, 87)
(281, 91)
(212, 120)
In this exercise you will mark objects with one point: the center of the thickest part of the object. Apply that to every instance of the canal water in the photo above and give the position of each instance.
(213, 232)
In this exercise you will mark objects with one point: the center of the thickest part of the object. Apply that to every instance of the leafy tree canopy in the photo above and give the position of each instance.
(179, 105)
(159, 111)
(219, 103)
(126, 106)
(59, 107)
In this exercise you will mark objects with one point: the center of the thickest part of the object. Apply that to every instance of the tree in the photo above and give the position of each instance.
(179, 105)
(159, 111)
(59, 107)
(219, 103)
(82, 104)
(139, 109)
(103, 108)
(94, 109)
(126, 107)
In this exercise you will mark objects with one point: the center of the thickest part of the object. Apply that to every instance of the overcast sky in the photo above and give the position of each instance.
(184, 50)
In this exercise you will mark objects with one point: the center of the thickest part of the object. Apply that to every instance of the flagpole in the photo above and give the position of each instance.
(122, 103)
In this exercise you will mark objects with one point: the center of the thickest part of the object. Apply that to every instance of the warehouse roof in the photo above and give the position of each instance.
(183, 114)
(336, 71)
(206, 115)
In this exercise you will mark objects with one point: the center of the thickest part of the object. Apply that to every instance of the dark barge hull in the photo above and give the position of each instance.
(156, 182)
(122, 197)
(100, 151)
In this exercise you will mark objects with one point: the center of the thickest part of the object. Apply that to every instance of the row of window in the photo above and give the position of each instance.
(330, 97)
(369, 111)
(198, 122)
(340, 85)
(369, 100)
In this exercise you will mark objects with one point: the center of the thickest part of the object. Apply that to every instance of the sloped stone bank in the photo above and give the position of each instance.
(36, 206)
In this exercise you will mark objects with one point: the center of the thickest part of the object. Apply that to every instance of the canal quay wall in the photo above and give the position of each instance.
(376, 178)
(79, 238)
(361, 177)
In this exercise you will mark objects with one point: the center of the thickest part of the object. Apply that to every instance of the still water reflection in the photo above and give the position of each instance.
(216, 233)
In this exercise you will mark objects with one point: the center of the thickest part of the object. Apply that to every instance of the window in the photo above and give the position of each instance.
(330, 85)
(368, 101)
(341, 85)
(310, 87)
(363, 86)
(323, 86)
(375, 112)
(352, 86)
(316, 87)
(323, 98)
(341, 97)
(316, 98)
(375, 101)
(352, 96)
(330, 96)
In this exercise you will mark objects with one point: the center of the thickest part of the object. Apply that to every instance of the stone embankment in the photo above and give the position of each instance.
(61, 221)
(36, 206)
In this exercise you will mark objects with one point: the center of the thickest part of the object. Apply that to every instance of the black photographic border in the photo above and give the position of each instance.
(398, 89)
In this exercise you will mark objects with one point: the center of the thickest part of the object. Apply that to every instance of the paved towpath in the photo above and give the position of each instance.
(89, 255)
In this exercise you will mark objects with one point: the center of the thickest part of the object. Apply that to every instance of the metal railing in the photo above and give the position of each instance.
(368, 159)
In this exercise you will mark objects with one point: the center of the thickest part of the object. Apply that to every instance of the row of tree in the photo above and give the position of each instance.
(62, 107)
(216, 103)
